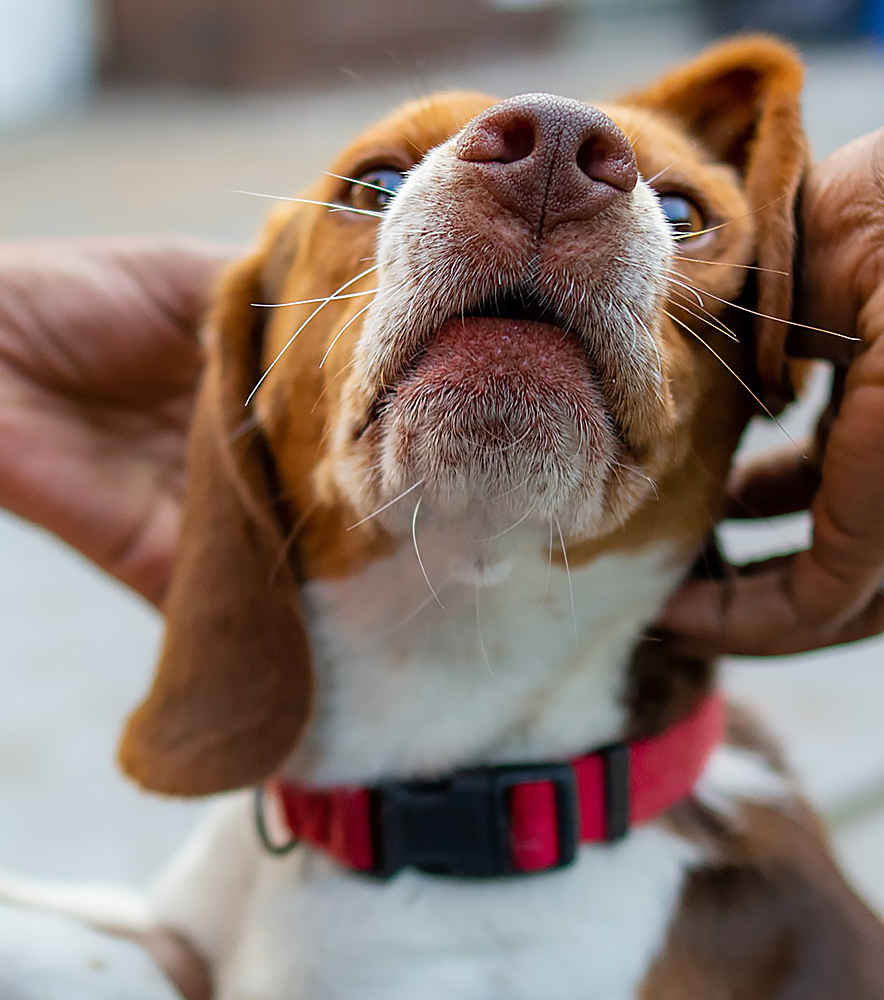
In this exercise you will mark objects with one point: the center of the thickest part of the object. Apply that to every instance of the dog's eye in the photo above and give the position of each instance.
(683, 215)
(374, 189)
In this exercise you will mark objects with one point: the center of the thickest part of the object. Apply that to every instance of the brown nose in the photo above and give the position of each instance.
(549, 159)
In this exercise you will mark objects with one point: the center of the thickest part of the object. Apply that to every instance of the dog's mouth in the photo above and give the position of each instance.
(502, 406)
(503, 327)
(523, 304)
(496, 346)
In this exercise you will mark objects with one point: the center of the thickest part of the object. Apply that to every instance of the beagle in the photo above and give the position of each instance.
(497, 362)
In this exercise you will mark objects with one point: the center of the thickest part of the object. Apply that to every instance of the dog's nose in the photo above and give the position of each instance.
(549, 159)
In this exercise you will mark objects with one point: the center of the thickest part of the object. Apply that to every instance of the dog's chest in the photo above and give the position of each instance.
(586, 933)
(406, 687)
(531, 667)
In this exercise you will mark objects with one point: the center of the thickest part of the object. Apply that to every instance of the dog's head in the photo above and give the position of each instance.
(518, 315)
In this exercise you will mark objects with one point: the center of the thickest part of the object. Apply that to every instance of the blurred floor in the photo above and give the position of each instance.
(76, 650)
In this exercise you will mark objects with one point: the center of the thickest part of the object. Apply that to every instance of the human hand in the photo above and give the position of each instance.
(832, 592)
(99, 361)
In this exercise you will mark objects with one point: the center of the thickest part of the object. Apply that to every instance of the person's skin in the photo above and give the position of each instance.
(831, 593)
(99, 361)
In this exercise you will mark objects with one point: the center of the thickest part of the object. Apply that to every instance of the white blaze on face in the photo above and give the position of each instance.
(527, 415)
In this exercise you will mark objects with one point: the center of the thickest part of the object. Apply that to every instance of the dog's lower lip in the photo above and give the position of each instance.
(498, 344)
(474, 354)
(486, 349)
(488, 367)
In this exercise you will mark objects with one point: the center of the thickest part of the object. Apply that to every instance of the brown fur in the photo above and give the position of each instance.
(742, 101)
(213, 719)
(771, 918)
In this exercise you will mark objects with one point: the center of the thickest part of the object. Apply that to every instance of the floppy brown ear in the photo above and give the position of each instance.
(233, 686)
(741, 100)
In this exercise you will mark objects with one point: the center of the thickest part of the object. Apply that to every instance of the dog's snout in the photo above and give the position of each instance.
(549, 159)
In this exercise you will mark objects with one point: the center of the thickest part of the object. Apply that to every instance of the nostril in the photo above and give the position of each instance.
(548, 159)
(499, 139)
(610, 159)
(517, 143)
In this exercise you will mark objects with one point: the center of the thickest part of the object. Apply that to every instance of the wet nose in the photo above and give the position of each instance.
(548, 158)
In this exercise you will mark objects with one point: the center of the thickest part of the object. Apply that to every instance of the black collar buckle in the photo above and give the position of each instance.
(461, 826)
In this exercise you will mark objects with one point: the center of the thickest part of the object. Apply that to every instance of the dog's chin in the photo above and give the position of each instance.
(498, 420)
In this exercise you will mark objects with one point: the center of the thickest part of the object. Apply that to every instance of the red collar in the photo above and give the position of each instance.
(503, 820)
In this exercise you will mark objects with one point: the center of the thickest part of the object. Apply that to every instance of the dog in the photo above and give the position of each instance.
(497, 362)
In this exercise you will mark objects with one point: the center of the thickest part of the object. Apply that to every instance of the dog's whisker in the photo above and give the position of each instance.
(344, 368)
(512, 489)
(539, 607)
(659, 174)
(310, 201)
(515, 442)
(413, 613)
(633, 139)
(637, 321)
(682, 284)
(706, 317)
(387, 505)
(294, 530)
(779, 319)
(748, 389)
(287, 544)
(316, 311)
(500, 445)
(341, 332)
(417, 552)
(356, 180)
(570, 582)
(481, 637)
(506, 531)
(243, 428)
(729, 222)
(679, 237)
(727, 263)
(310, 302)
(637, 472)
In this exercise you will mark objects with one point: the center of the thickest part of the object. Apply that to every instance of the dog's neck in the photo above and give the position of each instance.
(451, 660)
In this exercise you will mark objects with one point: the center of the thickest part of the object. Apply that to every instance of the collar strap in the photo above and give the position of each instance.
(503, 819)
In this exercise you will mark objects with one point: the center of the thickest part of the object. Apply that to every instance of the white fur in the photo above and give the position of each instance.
(735, 776)
(102, 905)
(47, 956)
(410, 688)
(587, 933)
(414, 693)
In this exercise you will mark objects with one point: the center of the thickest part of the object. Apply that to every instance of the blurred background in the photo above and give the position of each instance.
(125, 117)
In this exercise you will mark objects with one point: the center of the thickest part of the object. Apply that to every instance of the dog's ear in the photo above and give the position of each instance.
(741, 101)
(233, 686)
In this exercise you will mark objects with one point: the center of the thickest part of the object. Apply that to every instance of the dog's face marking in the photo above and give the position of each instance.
(506, 369)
